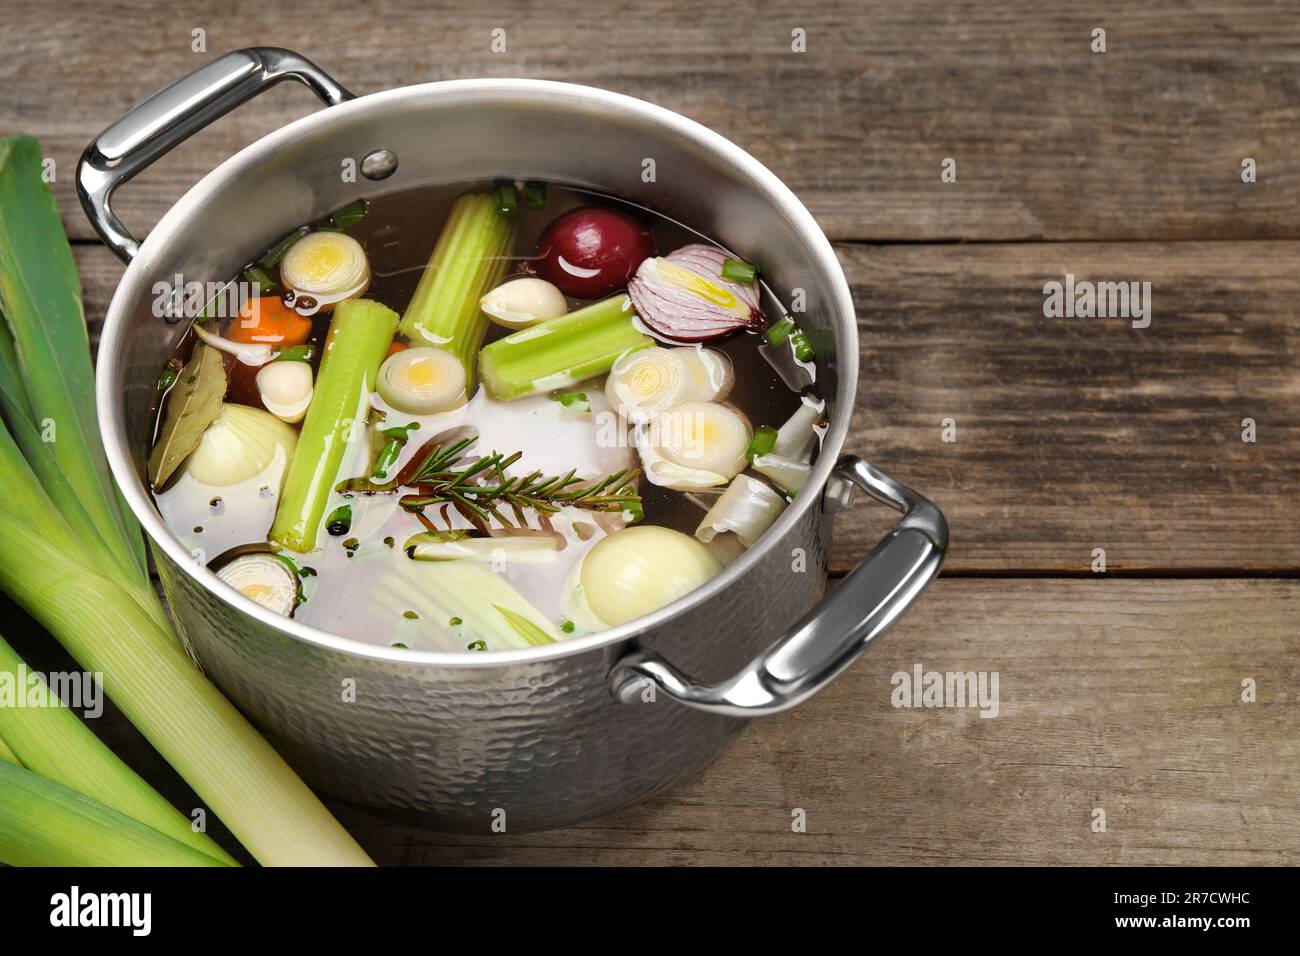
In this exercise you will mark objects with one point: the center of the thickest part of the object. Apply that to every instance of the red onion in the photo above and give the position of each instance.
(683, 297)
(590, 252)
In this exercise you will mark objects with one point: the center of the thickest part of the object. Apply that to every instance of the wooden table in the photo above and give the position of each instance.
(1120, 691)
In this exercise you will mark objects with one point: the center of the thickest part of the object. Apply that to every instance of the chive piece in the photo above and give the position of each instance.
(359, 336)
(349, 215)
(476, 646)
(577, 401)
(737, 270)
(257, 276)
(271, 258)
(778, 333)
(561, 352)
(295, 353)
(764, 441)
(340, 521)
(166, 379)
(535, 195)
(507, 198)
(803, 349)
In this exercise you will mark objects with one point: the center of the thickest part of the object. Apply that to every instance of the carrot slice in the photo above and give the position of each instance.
(395, 348)
(268, 321)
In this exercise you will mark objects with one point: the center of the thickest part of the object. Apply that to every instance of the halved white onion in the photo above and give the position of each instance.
(711, 372)
(286, 389)
(746, 509)
(250, 353)
(519, 303)
(422, 380)
(327, 266)
(640, 569)
(797, 438)
(239, 444)
(648, 381)
(264, 578)
(785, 473)
(708, 436)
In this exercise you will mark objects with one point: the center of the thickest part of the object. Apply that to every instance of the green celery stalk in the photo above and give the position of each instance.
(51, 741)
(152, 680)
(43, 823)
(359, 336)
(40, 296)
(561, 352)
(469, 259)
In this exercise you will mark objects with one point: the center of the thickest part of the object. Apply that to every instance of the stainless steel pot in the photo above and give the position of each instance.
(553, 735)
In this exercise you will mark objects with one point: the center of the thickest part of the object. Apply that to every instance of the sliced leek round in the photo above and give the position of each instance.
(648, 381)
(707, 436)
(239, 444)
(711, 373)
(327, 266)
(264, 578)
(422, 380)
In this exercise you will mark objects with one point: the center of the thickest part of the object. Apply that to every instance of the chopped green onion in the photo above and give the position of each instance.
(736, 270)
(271, 258)
(568, 627)
(395, 440)
(349, 215)
(561, 352)
(507, 198)
(339, 522)
(255, 275)
(764, 441)
(469, 259)
(803, 349)
(167, 378)
(577, 401)
(476, 646)
(296, 353)
(778, 333)
(535, 195)
(359, 336)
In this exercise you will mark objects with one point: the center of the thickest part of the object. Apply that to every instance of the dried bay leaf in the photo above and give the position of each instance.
(194, 403)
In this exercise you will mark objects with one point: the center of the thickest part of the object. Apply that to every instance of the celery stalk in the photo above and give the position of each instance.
(50, 740)
(43, 823)
(359, 336)
(469, 259)
(561, 352)
(152, 680)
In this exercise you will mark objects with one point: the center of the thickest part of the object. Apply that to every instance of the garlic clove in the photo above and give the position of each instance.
(523, 302)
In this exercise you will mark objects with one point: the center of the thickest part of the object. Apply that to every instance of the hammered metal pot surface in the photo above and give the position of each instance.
(537, 735)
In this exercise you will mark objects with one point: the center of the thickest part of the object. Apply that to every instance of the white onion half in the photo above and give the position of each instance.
(746, 509)
(239, 444)
(327, 266)
(641, 569)
(286, 389)
(422, 380)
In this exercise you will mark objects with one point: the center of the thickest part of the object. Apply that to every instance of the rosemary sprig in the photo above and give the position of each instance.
(482, 492)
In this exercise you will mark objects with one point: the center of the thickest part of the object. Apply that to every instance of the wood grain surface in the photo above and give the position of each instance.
(1120, 691)
(1051, 140)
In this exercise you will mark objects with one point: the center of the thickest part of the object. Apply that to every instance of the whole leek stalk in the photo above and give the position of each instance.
(100, 608)
(51, 741)
(561, 352)
(43, 823)
(359, 336)
(469, 259)
(8, 755)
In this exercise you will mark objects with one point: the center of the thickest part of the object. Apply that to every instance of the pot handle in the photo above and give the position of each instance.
(172, 115)
(833, 633)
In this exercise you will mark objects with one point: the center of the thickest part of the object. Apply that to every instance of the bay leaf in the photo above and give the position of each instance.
(193, 404)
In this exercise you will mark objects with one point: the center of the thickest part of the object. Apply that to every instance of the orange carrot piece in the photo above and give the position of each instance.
(268, 321)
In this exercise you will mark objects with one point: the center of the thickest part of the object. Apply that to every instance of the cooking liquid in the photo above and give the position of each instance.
(361, 584)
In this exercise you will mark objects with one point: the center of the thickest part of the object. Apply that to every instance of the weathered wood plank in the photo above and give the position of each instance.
(1051, 140)
(1119, 695)
(1072, 434)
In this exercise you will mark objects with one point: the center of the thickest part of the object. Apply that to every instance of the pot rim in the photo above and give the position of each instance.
(108, 372)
